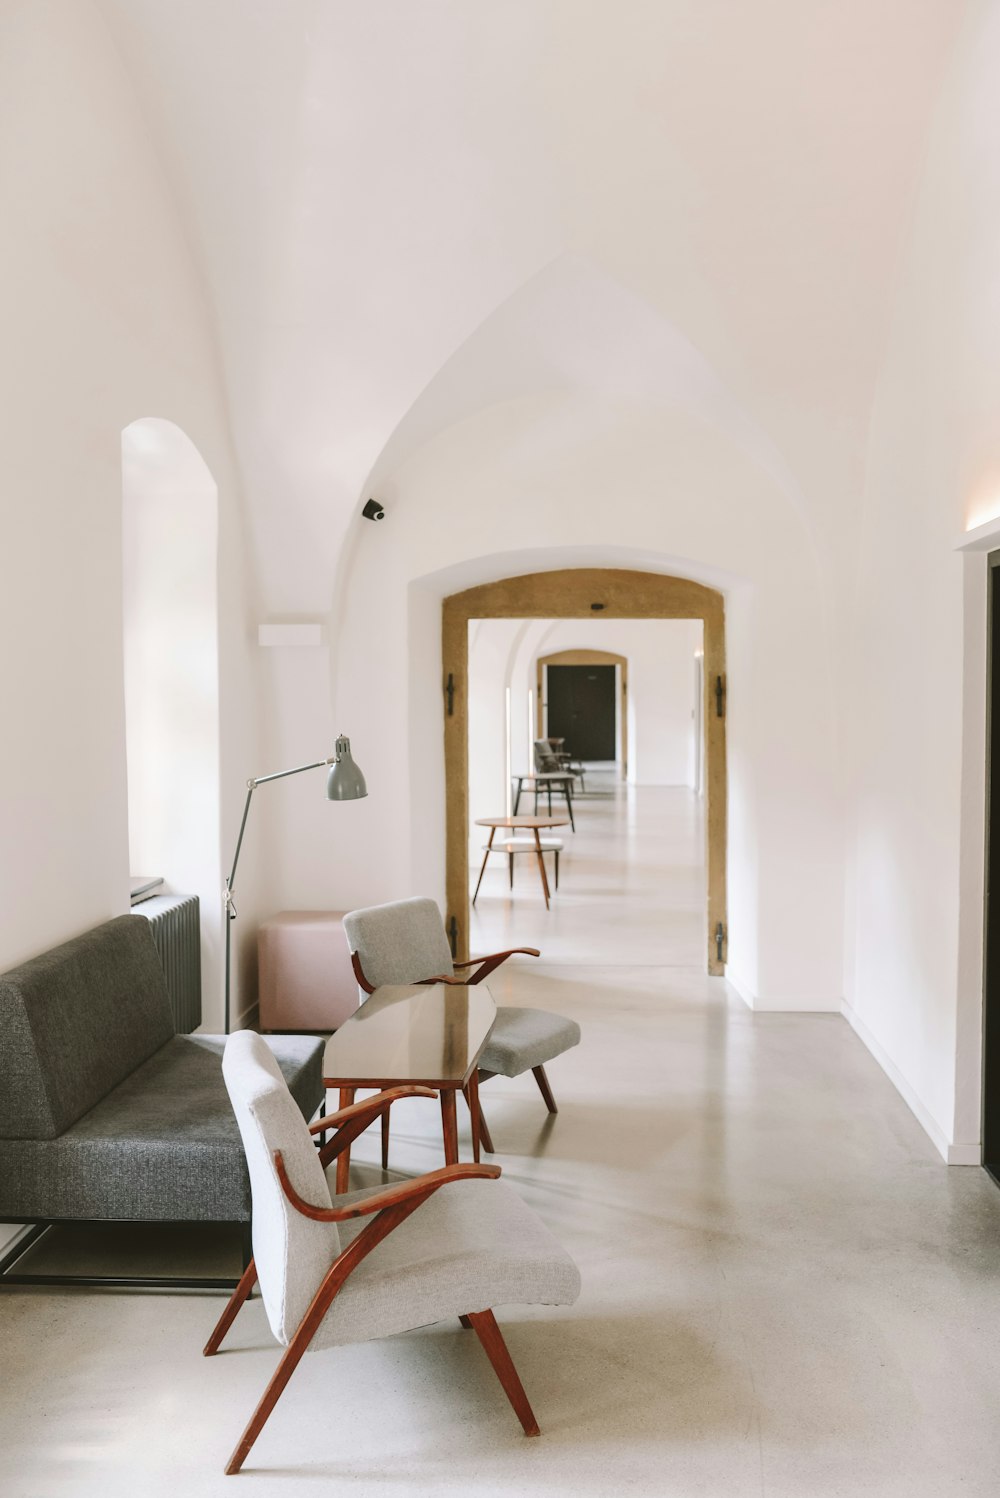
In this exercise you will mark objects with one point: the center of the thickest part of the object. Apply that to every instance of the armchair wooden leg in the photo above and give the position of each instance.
(472, 1098)
(484, 1133)
(486, 1329)
(343, 1175)
(242, 1293)
(538, 1072)
(385, 1139)
(466, 1323)
(289, 1362)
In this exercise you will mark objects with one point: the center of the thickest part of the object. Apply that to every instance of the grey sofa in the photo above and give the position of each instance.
(105, 1113)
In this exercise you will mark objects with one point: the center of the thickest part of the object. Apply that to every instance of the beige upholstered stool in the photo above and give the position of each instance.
(306, 979)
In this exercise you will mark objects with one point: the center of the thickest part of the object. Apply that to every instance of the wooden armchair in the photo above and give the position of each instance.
(463, 1252)
(405, 942)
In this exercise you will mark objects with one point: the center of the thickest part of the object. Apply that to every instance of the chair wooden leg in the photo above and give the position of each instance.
(385, 1139)
(484, 1134)
(466, 1323)
(538, 1072)
(289, 1362)
(485, 1327)
(471, 1091)
(343, 1173)
(242, 1293)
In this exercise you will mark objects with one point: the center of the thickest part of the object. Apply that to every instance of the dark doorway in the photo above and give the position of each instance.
(581, 708)
(991, 1005)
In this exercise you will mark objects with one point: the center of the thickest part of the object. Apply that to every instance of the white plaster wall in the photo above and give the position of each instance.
(914, 976)
(103, 323)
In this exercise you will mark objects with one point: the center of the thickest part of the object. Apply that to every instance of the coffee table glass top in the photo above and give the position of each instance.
(411, 1033)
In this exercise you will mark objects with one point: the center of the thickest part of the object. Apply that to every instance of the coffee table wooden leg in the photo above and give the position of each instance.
(482, 871)
(541, 868)
(472, 1098)
(449, 1125)
(344, 1158)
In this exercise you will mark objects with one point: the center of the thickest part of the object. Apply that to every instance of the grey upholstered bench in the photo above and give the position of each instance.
(105, 1113)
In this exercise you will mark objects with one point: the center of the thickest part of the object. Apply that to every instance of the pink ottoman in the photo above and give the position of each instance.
(306, 982)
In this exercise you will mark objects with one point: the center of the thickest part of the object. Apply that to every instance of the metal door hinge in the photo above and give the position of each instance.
(720, 698)
(453, 935)
(720, 942)
(449, 691)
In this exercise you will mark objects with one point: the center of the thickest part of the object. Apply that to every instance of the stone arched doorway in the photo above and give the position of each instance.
(580, 593)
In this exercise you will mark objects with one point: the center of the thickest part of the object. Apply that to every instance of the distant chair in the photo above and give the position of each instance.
(444, 1253)
(567, 761)
(405, 942)
(550, 759)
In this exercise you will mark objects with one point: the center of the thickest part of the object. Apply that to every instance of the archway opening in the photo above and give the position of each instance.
(171, 666)
(572, 595)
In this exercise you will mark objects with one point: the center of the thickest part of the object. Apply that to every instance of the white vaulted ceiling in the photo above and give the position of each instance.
(406, 209)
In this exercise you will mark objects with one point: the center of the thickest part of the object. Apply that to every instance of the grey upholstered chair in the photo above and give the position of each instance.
(458, 1254)
(405, 942)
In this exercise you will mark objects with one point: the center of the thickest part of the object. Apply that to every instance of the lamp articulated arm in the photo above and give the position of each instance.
(345, 782)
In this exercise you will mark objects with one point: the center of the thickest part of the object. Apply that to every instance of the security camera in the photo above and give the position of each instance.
(373, 510)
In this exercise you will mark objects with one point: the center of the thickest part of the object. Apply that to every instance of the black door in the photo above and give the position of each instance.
(581, 702)
(991, 1016)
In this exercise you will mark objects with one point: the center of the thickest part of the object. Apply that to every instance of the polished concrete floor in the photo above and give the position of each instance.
(785, 1291)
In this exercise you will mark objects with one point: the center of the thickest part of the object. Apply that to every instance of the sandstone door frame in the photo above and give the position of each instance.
(573, 593)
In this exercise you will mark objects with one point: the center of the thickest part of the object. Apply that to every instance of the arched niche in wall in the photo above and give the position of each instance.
(585, 657)
(171, 665)
(572, 594)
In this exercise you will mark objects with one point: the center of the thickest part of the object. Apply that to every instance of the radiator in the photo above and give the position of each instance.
(177, 933)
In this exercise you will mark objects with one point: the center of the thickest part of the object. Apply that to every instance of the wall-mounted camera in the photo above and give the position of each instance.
(373, 510)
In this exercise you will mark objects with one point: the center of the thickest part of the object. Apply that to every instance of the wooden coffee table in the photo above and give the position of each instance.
(535, 825)
(430, 1035)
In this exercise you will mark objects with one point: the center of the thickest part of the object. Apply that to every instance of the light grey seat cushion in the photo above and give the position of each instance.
(523, 1038)
(74, 1022)
(161, 1146)
(472, 1246)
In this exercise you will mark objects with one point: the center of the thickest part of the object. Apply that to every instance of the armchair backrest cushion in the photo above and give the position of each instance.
(76, 1021)
(403, 942)
(291, 1253)
(546, 762)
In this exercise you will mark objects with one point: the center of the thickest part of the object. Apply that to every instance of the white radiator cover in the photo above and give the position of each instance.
(176, 925)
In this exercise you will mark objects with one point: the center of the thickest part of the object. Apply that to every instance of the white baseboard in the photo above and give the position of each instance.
(807, 1004)
(951, 1154)
(744, 990)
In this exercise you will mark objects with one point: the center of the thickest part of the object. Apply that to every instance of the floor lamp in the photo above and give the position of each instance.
(345, 782)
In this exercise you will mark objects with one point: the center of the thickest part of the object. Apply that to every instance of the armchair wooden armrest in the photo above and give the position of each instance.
(354, 1120)
(489, 963)
(369, 1105)
(493, 961)
(391, 1196)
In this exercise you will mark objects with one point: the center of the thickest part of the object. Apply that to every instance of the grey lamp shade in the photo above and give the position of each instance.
(345, 781)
